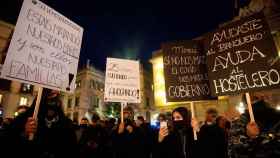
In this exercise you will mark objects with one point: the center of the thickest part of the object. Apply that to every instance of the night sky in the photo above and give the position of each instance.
(133, 29)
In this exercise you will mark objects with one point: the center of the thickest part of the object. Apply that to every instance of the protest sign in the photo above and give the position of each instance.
(185, 72)
(242, 57)
(44, 49)
(122, 81)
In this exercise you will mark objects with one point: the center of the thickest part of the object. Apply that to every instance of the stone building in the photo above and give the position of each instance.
(88, 95)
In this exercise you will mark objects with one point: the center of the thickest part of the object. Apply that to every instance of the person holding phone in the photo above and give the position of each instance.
(176, 141)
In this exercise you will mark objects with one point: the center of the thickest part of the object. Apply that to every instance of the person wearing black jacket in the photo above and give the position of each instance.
(211, 138)
(94, 141)
(260, 139)
(54, 135)
(145, 134)
(126, 141)
(177, 142)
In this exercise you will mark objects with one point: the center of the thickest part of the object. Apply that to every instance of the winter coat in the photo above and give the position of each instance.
(176, 145)
(212, 142)
(95, 143)
(55, 142)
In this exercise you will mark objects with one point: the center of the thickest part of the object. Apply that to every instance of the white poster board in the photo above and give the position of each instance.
(122, 82)
(44, 49)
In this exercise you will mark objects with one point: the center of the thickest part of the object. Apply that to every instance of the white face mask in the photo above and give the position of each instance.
(49, 123)
(209, 123)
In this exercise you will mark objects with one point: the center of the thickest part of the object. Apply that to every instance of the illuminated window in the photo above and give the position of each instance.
(1, 98)
(23, 101)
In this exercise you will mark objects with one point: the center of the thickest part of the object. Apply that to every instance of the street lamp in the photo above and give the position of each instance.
(278, 107)
(240, 108)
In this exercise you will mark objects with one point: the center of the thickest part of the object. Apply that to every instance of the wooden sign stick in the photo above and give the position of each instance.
(193, 116)
(123, 104)
(250, 109)
(36, 109)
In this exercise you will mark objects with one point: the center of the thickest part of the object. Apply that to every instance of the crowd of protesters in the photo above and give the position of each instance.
(55, 136)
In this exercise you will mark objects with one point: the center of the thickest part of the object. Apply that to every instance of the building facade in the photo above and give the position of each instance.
(88, 95)
(13, 95)
(147, 96)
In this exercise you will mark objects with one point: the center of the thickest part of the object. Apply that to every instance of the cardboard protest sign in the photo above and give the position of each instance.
(185, 72)
(44, 49)
(122, 81)
(241, 57)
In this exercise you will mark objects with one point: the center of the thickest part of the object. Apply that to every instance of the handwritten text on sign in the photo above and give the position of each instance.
(241, 57)
(45, 48)
(122, 82)
(185, 72)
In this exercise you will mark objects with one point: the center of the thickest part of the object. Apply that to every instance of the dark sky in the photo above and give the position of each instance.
(133, 29)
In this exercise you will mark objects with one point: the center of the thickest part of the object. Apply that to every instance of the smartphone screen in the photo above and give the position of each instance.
(163, 124)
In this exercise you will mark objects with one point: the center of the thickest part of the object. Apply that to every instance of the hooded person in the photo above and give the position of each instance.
(177, 141)
(94, 140)
(256, 139)
(126, 140)
(54, 135)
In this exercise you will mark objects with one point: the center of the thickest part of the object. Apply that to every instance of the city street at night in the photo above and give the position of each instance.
(140, 79)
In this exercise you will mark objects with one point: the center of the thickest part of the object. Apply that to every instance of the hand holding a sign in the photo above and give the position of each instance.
(30, 126)
(252, 130)
(163, 132)
(121, 128)
(194, 124)
(129, 128)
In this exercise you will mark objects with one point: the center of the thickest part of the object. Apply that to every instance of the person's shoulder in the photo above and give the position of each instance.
(68, 123)
(203, 127)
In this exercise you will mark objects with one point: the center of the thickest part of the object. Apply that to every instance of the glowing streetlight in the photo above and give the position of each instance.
(278, 107)
(240, 108)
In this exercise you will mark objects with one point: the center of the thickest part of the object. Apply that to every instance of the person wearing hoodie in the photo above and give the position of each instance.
(259, 139)
(126, 140)
(94, 140)
(177, 141)
(54, 135)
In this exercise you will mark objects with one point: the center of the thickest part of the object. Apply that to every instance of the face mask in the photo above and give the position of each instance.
(49, 123)
(179, 125)
(83, 126)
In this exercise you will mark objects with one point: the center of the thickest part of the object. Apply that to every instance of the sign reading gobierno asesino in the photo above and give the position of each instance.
(44, 49)
(122, 81)
(242, 57)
